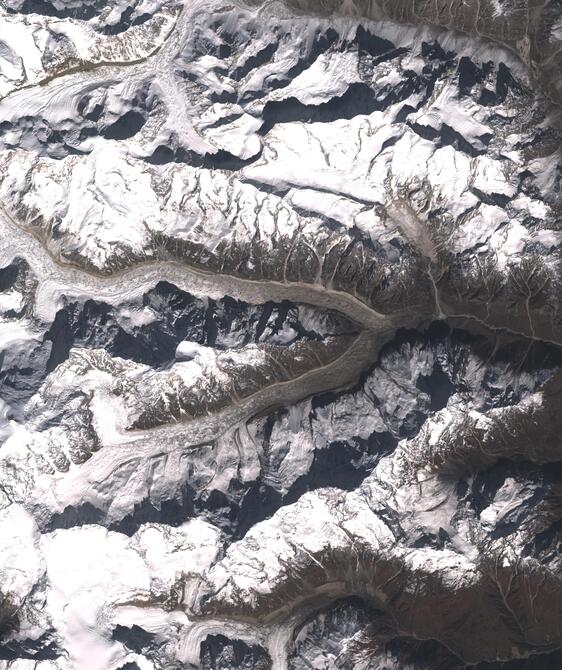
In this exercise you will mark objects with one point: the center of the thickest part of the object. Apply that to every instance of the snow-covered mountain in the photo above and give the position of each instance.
(280, 335)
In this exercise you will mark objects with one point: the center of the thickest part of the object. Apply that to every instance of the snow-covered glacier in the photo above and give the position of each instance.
(280, 334)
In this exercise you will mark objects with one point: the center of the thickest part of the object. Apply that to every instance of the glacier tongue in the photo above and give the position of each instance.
(280, 330)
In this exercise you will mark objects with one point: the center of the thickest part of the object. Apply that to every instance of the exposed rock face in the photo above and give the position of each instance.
(218, 652)
(280, 335)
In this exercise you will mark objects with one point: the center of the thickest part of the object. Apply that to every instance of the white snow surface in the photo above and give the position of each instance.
(445, 178)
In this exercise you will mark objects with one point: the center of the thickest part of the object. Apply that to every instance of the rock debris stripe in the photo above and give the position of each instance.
(330, 544)
(57, 279)
(368, 320)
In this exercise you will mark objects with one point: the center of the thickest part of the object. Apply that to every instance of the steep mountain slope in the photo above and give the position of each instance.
(280, 330)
